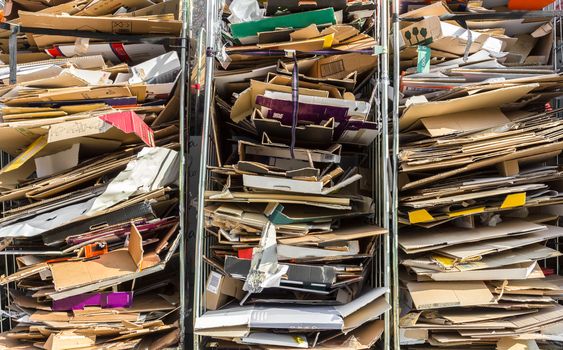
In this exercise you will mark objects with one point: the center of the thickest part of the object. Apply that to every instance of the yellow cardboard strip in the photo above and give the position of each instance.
(466, 212)
(26, 155)
(421, 215)
(514, 200)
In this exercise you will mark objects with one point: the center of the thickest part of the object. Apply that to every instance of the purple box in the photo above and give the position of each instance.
(107, 300)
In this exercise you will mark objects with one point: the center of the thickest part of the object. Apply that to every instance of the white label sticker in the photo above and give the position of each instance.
(213, 282)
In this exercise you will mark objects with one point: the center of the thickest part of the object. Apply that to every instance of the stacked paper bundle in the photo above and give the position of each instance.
(291, 244)
(89, 196)
(479, 177)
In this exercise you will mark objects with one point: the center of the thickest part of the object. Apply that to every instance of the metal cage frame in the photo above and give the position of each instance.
(557, 61)
(8, 263)
(378, 153)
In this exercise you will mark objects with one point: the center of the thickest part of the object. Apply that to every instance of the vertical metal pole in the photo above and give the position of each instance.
(208, 98)
(185, 8)
(395, 183)
(384, 86)
(13, 48)
(8, 272)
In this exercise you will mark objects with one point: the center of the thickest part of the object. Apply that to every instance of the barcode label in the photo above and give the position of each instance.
(213, 282)
(332, 68)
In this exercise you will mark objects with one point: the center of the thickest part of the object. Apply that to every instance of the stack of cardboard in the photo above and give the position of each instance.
(479, 178)
(90, 197)
(291, 246)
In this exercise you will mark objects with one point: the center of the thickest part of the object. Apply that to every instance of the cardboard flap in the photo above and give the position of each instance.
(135, 247)
(368, 313)
(130, 122)
(360, 302)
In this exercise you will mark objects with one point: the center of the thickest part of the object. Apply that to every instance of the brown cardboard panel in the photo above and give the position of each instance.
(107, 7)
(436, 295)
(309, 67)
(476, 100)
(120, 25)
(343, 234)
(479, 119)
(68, 340)
(417, 241)
(479, 315)
(524, 153)
(71, 94)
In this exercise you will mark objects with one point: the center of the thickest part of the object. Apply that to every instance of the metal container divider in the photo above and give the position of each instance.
(8, 263)
(394, 231)
(378, 157)
(186, 16)
(558, 102)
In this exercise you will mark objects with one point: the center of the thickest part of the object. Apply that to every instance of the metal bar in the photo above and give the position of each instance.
(185, 9)
(7, 289)
(384, 160)
(200, 230)
(13, 52)
(394, 232)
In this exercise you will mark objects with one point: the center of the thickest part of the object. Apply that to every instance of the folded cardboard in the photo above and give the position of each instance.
(448, 37)
(278, 150)
(514, 271)
(114, 264)
(474, 101)
(162, 165)
(345, 317)
(117, 25)
(300, 6)
(437, 295)
(290, 185)
(486, 247)
(98, 134)
(246, 101)
(342, 234)
(416, 242)
(113, 52)
(247, 31)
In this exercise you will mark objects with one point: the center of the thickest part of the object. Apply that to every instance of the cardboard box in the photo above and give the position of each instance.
(447, 37)
(246, 102)
(219, 289)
